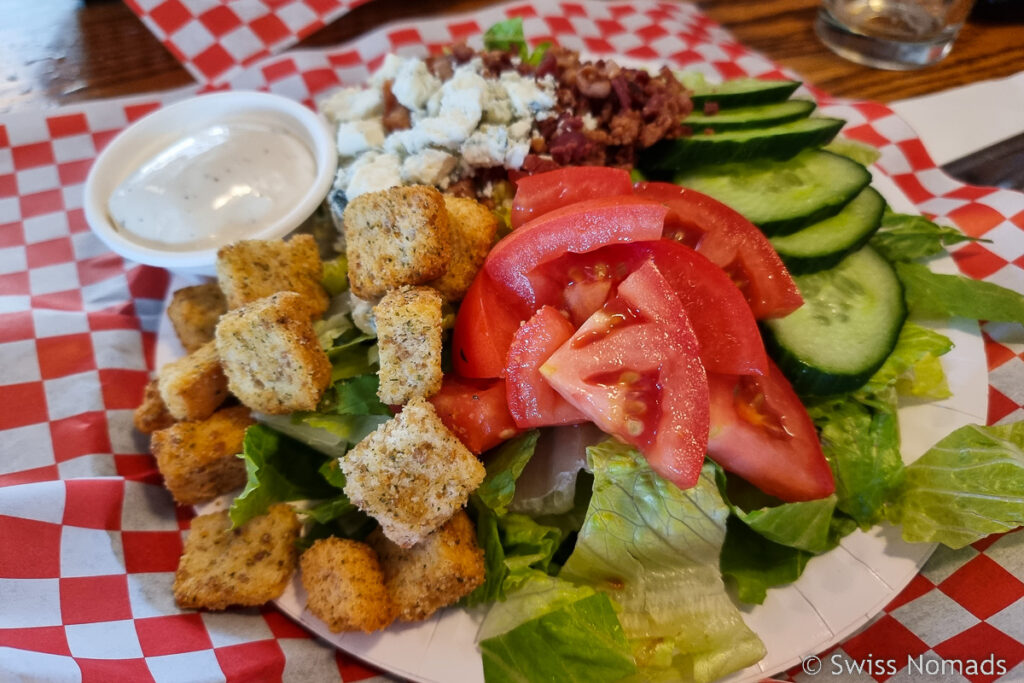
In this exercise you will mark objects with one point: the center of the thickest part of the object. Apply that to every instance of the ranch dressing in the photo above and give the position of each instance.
(217, 185)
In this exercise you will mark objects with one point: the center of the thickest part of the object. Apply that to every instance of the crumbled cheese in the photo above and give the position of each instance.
(486, 121)
(356, 137)
(589, 122)
(362, 314)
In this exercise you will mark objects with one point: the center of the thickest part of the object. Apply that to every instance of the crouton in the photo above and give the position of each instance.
(396, 237)
(198, 458)
(411, 474)
(345, 586)
(409, 339)
(152, 414)
(194, 386)
(472, 227)
(194, 311)
(247, 566)
(254, 269)
(435, 572)
(271, 355)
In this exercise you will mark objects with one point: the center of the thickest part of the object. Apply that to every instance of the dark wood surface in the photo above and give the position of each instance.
(61, 51)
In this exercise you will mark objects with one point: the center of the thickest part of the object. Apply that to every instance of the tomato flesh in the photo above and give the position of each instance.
(541, 193)
(761, 431)
(577, 228)
(632, 369)
(487, 321)
(476, 411)
(531, 400)
(731, 242)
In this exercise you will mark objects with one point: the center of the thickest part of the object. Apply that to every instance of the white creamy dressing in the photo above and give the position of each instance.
(217, 185)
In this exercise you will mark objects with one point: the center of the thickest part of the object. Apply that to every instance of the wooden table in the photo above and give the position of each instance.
(61, 51)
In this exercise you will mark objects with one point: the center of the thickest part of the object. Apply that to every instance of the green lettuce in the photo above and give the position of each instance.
(906, 237)
(913, 367)
(278, 469)
(508, 36)
(753, 564)
(504, 466)
(335, 279)
(575, 629)
(655, 550)
(931, 294)
(969, 485)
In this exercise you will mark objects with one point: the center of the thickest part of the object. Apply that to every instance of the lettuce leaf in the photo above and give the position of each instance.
(969, 485)
(655, 550)
(753, 564)
(574, 636)
(508, 36)
(278, 469)
(504, 466)
(335, 279)
(913, 367)
(933, 294)
(906, 237)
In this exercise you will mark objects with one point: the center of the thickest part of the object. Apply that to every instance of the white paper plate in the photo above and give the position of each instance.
(838, 593)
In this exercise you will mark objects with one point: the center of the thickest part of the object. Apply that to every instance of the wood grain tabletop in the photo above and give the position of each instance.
(56, 52)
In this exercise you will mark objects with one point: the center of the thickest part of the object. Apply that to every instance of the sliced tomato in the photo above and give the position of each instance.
(488, 319)
(531, 400)
(725, 327)
(632, 369)
(476, 411)
(761, 431)
(730, 241)
(539, 194)
(577, 228)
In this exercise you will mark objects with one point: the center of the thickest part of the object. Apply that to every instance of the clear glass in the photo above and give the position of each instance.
(891, 34)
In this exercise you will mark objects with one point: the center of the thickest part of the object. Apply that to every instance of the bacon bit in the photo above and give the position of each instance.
(396, 116)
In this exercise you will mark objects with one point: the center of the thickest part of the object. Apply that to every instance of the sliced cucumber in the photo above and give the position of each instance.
(825, 243)
(741, 92)
(781, 197)
(757, 116)
(848, 325)
(774, 142)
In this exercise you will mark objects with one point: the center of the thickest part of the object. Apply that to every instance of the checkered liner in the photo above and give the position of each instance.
(215, 39)
(90, 540)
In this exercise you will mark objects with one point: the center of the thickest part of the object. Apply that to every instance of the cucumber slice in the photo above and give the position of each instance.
(847, 327)
(825, 243)
(781, 197)
(775, 142)
(741, 92)
(757, 116)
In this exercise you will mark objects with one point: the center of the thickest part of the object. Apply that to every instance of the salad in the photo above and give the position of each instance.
(616, 303)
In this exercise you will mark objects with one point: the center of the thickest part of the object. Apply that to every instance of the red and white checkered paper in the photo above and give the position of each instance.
(215, 39)
(89, 540)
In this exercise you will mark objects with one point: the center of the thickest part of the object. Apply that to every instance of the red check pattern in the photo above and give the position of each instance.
(215, 39)
(90, 540)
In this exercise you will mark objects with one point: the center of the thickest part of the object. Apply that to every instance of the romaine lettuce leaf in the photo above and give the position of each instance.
(934, 294)
(504, 466)
(906, 237)
(754, 564)
(335, 279)
(655, 550)
(913, 367)
(805, 526)
(967, 486)
(278, 470)
(354, 396)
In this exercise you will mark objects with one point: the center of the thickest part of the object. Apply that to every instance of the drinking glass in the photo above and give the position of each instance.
(891, 34)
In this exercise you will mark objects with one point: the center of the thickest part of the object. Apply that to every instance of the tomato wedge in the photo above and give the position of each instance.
(541, 193)
(761, 431)
(730, 241)
(475, 411)
(577, 228)
(531, 400)
(632, 369)
(488, 319)
(725, 327)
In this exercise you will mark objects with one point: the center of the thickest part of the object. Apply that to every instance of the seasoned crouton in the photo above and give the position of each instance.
(435, 572)
(247, 566)
(411, 474)
(271, 355)
(194, 311)
(254, 269)
(396, 237)
(472, 227)
(194, 386)
(409, 339)
(152, 414)
(198, 458)
(345, 585)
